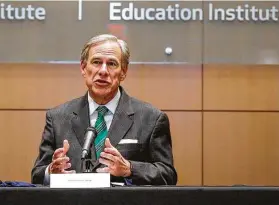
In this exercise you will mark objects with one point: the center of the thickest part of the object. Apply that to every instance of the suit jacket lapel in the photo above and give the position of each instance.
(121, 123)
(81, 121)
(122, 119)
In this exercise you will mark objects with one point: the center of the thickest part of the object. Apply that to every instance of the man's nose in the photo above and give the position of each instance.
(104, 68)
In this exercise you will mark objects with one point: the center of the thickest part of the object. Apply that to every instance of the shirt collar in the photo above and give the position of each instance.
(111, 105)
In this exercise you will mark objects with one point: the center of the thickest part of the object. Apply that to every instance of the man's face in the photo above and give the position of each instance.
(103, 72)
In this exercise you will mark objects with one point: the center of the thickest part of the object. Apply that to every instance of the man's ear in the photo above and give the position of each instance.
(123, 74)
(82, 68)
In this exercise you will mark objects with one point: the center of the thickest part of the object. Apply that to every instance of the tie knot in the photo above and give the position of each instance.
(102, 110)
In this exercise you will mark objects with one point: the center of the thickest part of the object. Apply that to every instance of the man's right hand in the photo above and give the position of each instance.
(60, 161)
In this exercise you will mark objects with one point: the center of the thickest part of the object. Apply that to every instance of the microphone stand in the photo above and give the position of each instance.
(86, 164)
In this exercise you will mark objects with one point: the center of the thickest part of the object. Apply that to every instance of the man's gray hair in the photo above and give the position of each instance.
(96, 40)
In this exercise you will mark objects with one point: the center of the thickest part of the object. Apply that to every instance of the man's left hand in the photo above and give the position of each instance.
(116, 165)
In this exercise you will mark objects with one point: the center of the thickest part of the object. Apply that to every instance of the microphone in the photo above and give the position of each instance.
(90, 136)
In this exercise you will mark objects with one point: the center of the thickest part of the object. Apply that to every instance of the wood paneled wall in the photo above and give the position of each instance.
(224, 118)
(240, 124)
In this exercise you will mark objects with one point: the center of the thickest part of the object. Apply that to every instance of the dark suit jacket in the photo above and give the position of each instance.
(151, 157)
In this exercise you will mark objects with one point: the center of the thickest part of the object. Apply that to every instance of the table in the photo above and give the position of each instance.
(141, 196)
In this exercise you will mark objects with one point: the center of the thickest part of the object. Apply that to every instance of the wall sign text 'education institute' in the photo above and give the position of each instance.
(117, 11)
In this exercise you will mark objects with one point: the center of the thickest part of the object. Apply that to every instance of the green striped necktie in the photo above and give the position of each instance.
(101, 129)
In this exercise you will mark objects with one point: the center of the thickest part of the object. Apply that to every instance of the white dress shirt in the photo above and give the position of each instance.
(93, 114)
(111, 105)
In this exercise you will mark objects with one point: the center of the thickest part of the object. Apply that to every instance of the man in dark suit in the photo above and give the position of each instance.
(133, 140)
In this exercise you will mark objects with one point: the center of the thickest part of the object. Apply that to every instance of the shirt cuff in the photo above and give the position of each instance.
(47, 177)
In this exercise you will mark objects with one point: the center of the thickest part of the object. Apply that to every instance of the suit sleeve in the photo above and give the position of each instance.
(46, 151)
(160, 169)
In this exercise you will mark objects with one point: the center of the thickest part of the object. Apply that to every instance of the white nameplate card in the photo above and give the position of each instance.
(80, 180)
